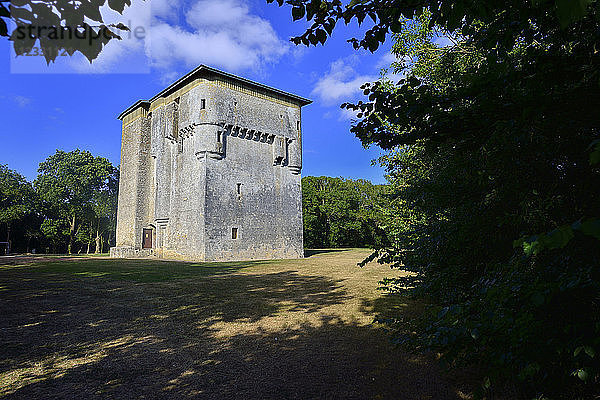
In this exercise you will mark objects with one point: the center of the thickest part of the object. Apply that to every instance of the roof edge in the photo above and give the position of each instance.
(132, 107)
(303, 101)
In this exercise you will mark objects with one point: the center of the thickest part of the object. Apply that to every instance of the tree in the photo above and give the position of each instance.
(73, 185)
(465, 16)
(340, 212)
(105, 211)
(59, 26)
(492, 138)
(16, 199)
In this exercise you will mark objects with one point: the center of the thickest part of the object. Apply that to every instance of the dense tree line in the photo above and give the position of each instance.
(69, 208)
(493, 144)
(340, 212)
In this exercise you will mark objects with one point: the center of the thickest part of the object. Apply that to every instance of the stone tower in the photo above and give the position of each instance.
(210, 171)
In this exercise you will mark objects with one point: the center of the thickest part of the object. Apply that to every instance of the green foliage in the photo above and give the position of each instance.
(507, 20)
(73, 199)
(341, 212)
(16, 196)
(72, 203)
(60, 19)
(488, 138)
(559, 237)
(78, 188)
(19, 207)
(56, 232)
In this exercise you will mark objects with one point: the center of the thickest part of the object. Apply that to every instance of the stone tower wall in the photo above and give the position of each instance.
(267, 211)
(214, 169)
(135, 185)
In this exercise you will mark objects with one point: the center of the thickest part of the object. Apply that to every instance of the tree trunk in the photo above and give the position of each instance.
(89, 243)
(109, 240)
(71, 235)
(98, 248)
(7, 238)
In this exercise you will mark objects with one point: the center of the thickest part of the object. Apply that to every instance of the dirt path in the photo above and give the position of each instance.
(302, 329)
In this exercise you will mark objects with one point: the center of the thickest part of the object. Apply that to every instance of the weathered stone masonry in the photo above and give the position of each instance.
(210, 171)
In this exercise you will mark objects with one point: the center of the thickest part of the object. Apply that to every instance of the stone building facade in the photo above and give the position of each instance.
(210, 171)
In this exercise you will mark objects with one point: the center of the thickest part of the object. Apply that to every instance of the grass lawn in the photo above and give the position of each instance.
(84, 328)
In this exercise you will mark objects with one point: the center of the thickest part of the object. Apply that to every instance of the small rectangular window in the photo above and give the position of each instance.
(298, 125)
(202, 104)
(239, 188)
(234, 233)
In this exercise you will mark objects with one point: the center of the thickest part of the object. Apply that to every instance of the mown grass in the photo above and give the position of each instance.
(97, 328)
(128, 270)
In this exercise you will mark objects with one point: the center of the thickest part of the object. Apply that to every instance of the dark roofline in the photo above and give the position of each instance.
(133, 107)
(303, 101)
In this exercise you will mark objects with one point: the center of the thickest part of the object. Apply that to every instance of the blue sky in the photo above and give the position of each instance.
(74, 105)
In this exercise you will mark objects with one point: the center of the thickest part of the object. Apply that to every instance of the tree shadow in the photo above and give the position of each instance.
(396, 306)
(139, 270)
(69, 335)
(314, 252)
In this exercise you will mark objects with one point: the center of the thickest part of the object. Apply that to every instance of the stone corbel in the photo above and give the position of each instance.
(188, 130)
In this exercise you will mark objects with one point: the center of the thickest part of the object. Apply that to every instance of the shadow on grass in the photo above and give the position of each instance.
(89, 330)
(313, 252)
(128, 270)
(399, 307)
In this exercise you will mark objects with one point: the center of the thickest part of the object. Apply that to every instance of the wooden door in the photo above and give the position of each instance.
(147, 239)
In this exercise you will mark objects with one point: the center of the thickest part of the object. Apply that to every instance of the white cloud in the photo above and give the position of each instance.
(164, 9)
(213, 15)
(222, 33)
(347, 115)
(22, 101)
(386, 60)
(179, 36)
(128, 54)
(342, 82)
